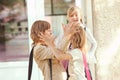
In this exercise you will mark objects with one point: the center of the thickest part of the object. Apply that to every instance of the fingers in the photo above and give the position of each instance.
(73, 27)
(47, 38)
(41, 36)
(54, 37)
(63, 26)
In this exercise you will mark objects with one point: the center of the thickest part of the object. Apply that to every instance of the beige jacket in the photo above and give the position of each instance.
(42, 54)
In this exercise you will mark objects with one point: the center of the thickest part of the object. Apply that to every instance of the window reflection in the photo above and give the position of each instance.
(13, 31)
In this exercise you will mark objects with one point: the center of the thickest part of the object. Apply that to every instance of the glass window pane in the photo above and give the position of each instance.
(47, 7)
(57, 7)
(13, 31)
(61, 6)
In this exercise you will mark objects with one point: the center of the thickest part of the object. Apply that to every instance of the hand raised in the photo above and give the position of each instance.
(70, 28)
(49, 40)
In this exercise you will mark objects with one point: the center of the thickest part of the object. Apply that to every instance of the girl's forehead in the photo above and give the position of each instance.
(75, 12)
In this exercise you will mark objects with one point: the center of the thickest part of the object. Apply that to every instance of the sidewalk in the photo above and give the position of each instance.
(14, 70)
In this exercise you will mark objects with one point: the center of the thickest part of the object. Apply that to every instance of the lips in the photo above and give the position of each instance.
(75, 20)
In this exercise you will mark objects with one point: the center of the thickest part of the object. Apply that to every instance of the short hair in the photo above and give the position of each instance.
(38, 27)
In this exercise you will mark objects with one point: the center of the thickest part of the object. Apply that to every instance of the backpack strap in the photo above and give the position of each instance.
(30, 64)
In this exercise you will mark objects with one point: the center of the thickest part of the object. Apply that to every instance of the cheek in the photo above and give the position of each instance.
(50, 33)
(79, 17)
(70, 19)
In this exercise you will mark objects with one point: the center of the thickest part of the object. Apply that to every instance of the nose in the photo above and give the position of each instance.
(50, 31)
(74, 16)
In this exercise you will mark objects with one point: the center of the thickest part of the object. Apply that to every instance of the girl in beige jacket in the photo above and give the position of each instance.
(42, 53)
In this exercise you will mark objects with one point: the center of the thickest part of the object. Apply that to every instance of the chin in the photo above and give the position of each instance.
(75, 21)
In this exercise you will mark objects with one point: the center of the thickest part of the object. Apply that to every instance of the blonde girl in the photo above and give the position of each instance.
(74, 14)
(42, 53)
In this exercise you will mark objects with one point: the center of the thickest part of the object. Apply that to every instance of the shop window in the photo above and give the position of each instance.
(57, 7)
(13, 31)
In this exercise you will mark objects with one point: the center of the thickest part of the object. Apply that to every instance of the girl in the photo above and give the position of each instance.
(42, 53)
(74, 14)
(75, 55)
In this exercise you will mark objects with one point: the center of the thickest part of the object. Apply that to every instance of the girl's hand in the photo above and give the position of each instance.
(49, 40)
(70, 28)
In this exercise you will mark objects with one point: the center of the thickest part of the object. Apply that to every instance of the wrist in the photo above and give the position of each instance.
(67, 37)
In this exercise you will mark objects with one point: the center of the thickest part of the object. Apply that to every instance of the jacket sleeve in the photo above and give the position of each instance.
(62, 43)
(91, 53)
(92, 41)
(43, 52)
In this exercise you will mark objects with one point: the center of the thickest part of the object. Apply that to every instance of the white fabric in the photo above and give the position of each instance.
(76, 65)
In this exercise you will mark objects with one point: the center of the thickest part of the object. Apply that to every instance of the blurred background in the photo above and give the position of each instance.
(16, 17)
(13, 30)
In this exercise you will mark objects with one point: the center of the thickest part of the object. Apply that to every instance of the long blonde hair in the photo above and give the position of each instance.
(78, 40)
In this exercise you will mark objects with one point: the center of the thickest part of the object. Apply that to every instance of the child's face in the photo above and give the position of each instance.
(48, 32)
(74, 16)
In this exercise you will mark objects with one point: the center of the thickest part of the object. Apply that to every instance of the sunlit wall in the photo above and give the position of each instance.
(107, 33)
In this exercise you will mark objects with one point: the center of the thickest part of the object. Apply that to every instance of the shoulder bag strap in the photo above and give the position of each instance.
(50, 61)
(30, 64)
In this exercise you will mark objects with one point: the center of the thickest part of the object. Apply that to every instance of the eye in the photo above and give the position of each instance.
(71, 15)
(77, 29)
